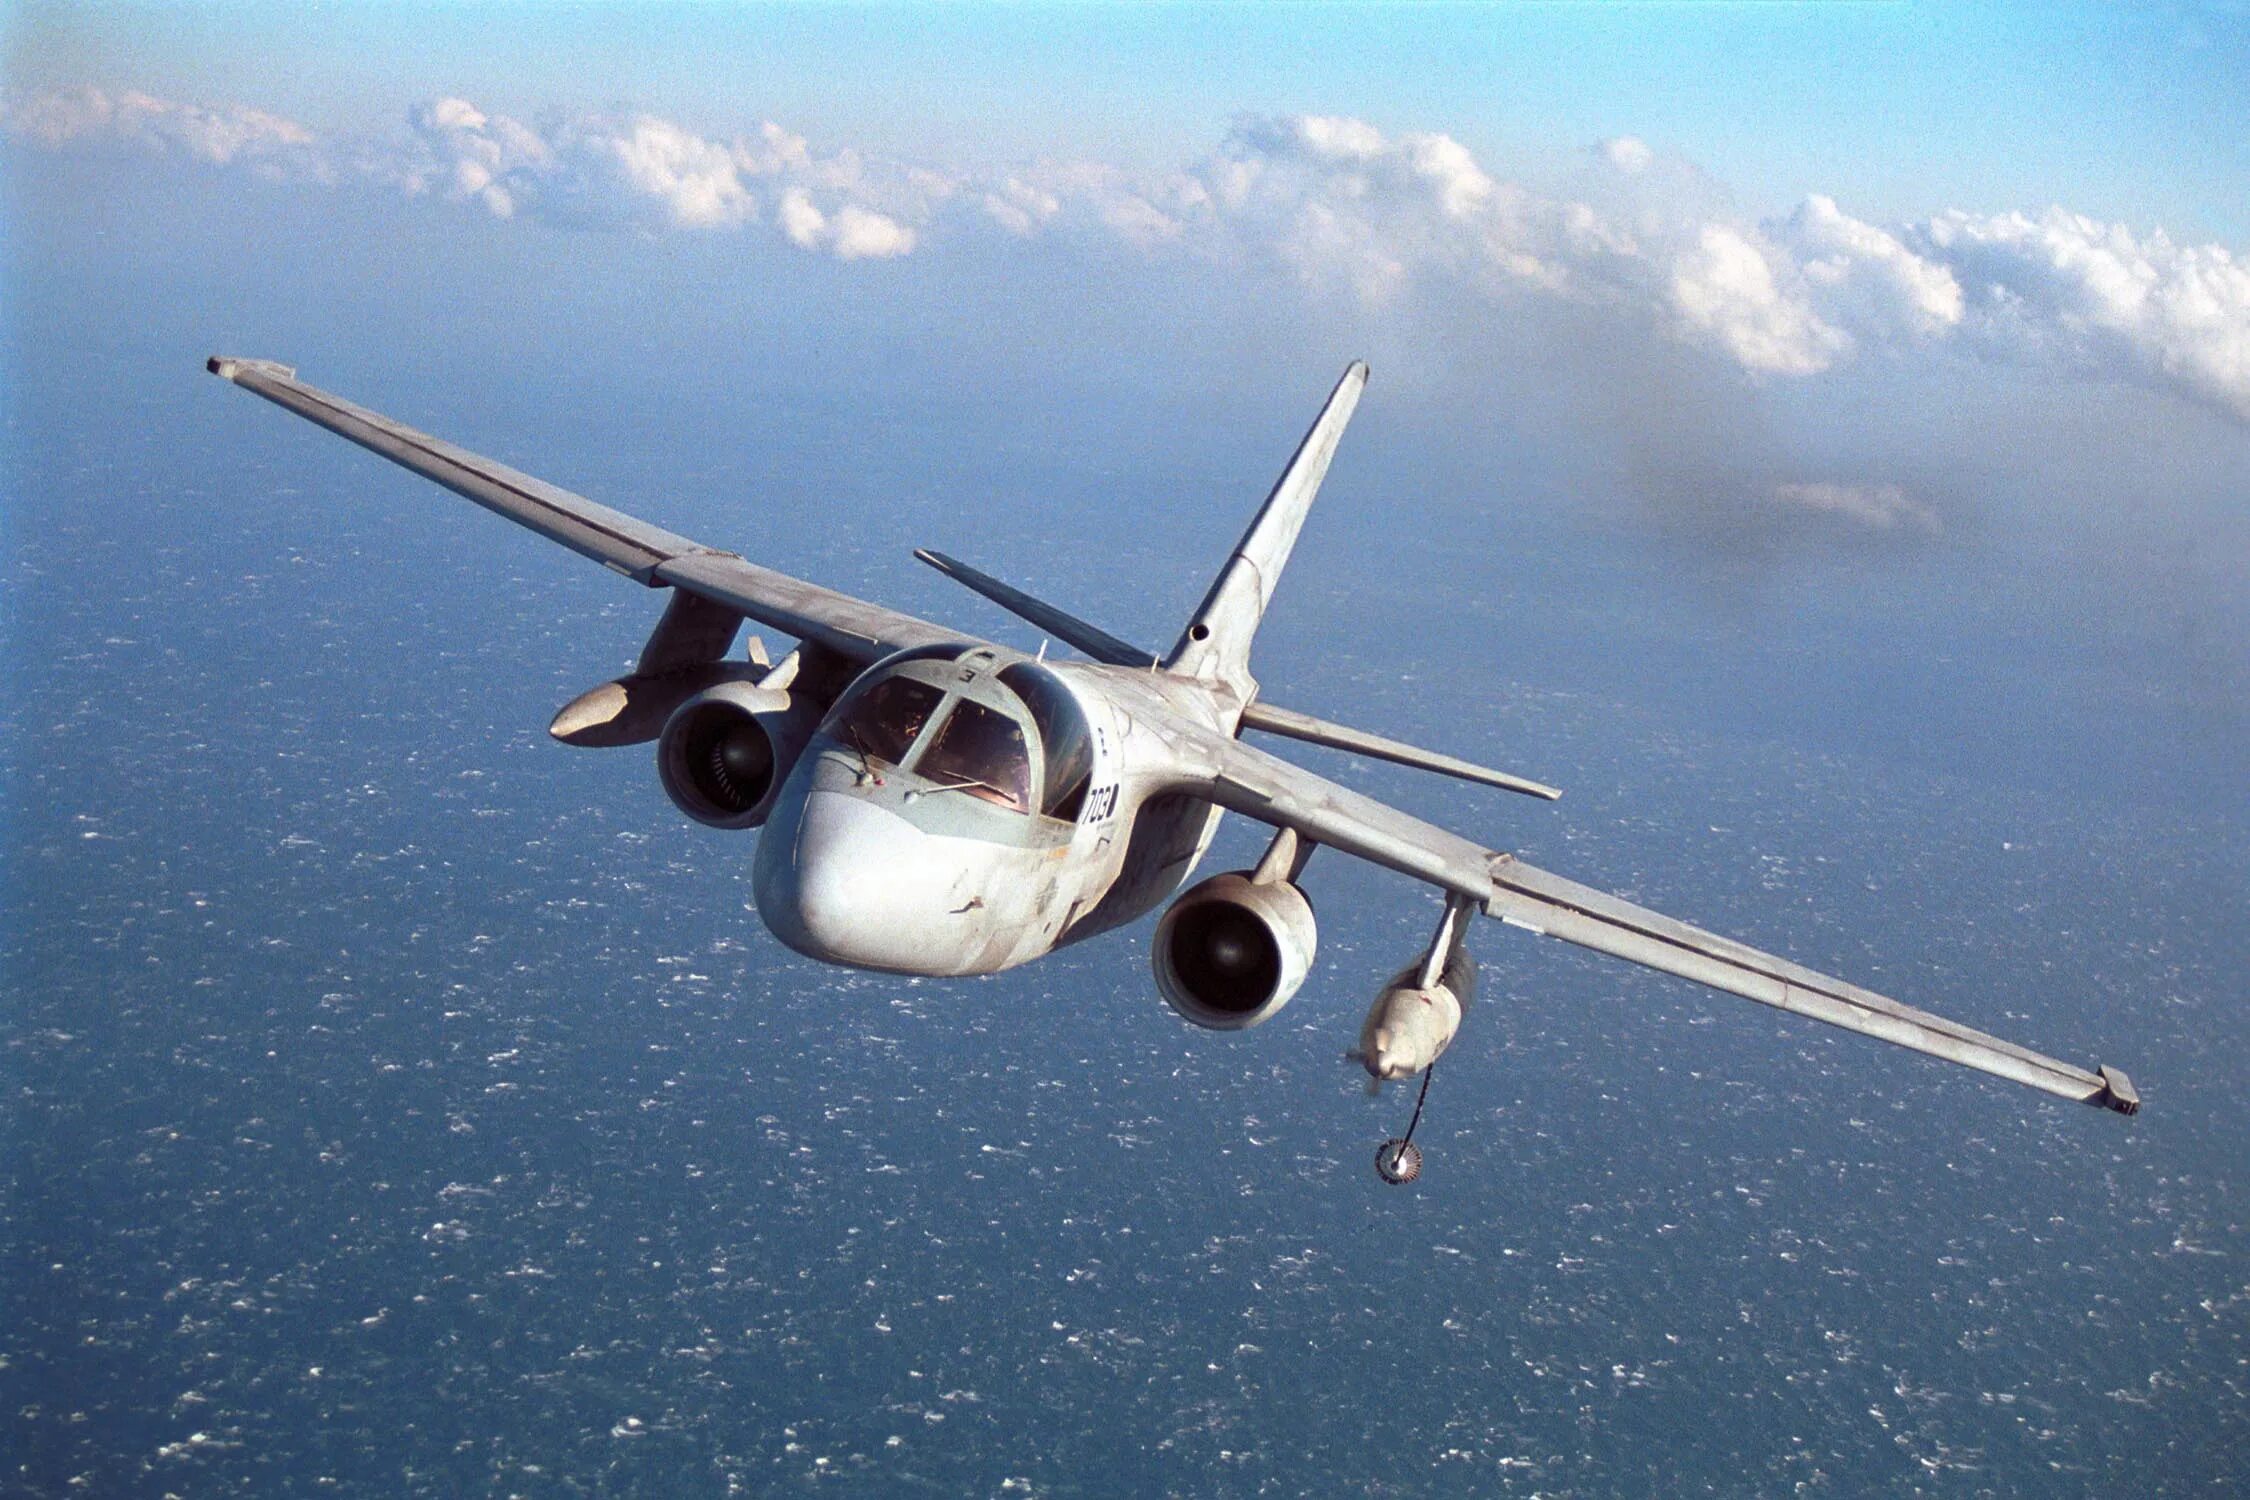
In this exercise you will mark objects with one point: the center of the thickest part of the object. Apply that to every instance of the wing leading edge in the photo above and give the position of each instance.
(853, 628)
(1245, 779)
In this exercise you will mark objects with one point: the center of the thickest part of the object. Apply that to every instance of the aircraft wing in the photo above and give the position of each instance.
(1246, 780)
(647, 554)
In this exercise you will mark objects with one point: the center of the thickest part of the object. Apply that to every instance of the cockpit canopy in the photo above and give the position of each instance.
(1011, 736)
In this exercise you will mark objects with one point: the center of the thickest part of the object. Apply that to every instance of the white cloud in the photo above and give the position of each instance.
(1336, 138)
(1451, 172)
(232, 134)
(1337, 204)
(2061, 283)
(800, 220)
(1868, 274)
(1726, 288)
(642, 172)
(1078, 199)
(852, 233)
(1878, 507)
(862, 234)
(1627, 153)
(697, 183)
(471, 156)
(1020, 207)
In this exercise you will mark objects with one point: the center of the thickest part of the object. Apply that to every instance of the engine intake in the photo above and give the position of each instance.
(725, 752)
(1230, 952)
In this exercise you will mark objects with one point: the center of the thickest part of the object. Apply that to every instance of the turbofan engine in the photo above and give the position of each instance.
(1232, 950)
(725, 752)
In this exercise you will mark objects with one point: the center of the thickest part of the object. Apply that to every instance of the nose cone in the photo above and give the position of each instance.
(854, 883)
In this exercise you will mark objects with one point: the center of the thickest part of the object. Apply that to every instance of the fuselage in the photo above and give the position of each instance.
(962, 810)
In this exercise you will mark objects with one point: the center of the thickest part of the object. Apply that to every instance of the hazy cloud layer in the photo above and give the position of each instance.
(1342, 207)
(1877, 507)
(223, 136)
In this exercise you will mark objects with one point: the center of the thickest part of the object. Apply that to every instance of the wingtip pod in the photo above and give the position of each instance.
(2117, 1092)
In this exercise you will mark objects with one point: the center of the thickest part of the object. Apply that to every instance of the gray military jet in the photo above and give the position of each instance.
(933, 803)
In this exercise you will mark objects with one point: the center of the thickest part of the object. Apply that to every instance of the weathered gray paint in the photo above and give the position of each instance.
(1415, 1017)
(850, 868)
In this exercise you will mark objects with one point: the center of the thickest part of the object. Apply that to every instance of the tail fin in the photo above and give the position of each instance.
(1216, 643)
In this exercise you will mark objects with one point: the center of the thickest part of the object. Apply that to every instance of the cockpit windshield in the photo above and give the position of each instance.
(981, 751)
(884, 722)
(1013, 738)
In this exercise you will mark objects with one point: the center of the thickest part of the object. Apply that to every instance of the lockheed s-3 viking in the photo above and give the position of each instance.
(933, 803)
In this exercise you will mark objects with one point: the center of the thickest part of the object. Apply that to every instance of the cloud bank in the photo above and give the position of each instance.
(1337, 205)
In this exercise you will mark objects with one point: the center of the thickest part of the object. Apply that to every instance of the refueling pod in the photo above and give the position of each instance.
(1409, 1026)
(725, 752)
(1232, 950)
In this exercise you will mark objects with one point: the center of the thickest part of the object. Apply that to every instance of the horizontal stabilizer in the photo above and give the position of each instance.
(1104, 647)
(1287, 722)
(1068, 628)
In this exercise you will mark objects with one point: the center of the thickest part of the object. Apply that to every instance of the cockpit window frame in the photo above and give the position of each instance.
(1014, 791)
(840, 727)
(1046, 715)
(1064, 736)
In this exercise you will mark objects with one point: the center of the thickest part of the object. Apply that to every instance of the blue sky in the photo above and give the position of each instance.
(2128, 112)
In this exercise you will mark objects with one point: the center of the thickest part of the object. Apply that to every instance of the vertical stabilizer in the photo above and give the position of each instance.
(1216, 643)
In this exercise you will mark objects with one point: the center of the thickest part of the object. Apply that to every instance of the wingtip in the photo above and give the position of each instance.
(937, 560)
(227, 367)
(2117, 1092)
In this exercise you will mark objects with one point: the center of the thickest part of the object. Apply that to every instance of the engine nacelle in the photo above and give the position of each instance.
(1230, 952)
(725, 752)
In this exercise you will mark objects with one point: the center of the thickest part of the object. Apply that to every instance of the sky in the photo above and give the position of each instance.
(1794, 188)
(2129, 112)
